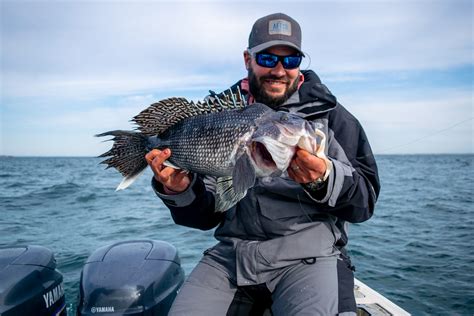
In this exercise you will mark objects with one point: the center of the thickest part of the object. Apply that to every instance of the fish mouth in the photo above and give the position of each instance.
(271, 156)
(262, 157)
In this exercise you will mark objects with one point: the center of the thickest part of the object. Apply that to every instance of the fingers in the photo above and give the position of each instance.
(166, 173)
(304, 157)
(299, 174)
(305, 167)
(307, 160)
(292, 175)
(155, 160)
(171, 178)
(296, 168)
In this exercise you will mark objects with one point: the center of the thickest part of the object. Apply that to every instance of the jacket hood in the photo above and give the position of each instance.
(314, 97)
(312, 89)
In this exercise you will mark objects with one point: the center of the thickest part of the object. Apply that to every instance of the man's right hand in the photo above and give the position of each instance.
(173, 180)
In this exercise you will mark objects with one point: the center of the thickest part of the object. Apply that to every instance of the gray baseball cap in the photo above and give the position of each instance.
(272, 30)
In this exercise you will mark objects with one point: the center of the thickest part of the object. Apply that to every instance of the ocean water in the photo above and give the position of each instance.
(417, 249)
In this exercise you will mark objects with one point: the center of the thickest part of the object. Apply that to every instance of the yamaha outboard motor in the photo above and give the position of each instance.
(131, 278)
(30, 283)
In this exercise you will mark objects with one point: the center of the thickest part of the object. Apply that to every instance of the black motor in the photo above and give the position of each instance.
(133, 278)
(30, 283)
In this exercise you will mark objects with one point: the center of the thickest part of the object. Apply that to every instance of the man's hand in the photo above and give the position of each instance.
(173, 180)
(305, 167)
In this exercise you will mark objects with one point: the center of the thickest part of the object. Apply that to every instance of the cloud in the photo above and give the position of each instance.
(391, 36)
(72, 69)
(432, 123)
(103, 44)
(63, 86)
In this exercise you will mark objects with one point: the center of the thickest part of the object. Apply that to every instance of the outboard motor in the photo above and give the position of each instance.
(30, 283)
(133, 277)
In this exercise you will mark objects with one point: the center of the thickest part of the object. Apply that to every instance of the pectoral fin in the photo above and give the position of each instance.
(230, 190)
(226, 197)
(243, 176)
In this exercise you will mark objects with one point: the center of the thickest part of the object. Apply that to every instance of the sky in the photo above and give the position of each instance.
(73, 69)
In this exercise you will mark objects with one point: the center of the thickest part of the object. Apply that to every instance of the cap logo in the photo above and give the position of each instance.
(279, 27)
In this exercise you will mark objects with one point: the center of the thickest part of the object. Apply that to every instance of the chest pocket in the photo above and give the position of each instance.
(281, 198)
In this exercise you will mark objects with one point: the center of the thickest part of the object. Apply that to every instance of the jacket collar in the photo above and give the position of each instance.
(312, 98)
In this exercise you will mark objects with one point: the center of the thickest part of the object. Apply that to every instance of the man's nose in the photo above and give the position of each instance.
(278, 70)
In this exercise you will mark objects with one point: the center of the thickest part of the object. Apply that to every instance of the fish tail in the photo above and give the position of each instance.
(127, 155)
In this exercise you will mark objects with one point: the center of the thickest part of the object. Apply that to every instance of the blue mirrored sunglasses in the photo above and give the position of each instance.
(268, 60)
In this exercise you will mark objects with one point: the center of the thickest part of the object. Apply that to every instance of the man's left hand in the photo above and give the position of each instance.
(306, 167)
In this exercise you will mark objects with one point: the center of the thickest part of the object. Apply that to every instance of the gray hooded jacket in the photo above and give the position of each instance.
(279, 223)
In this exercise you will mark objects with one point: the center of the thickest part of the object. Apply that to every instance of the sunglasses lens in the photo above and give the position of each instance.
(270, 60)
(291, 62)
(267, 60)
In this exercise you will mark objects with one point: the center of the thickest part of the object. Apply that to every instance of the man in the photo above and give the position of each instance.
(282, 246)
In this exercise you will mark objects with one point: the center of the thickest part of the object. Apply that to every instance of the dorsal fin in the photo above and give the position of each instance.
(161, 115)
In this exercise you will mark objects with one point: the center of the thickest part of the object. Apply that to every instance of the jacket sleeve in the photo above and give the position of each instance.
(193, 207)
(353, 186)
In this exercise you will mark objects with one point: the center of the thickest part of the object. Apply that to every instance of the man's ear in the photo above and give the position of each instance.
(247, 59)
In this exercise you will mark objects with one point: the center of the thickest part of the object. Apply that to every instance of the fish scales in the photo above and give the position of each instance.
(205, 143)
(221, 137)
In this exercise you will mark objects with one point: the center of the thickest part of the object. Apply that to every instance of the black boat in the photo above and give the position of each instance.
(138, 277)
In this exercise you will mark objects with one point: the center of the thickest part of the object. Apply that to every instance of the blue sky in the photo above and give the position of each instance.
(72, 69)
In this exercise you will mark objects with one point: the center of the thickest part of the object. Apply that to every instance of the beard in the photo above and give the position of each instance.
(260, 95)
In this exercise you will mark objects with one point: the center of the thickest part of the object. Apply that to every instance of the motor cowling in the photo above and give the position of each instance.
(30, 283)
(139, 277)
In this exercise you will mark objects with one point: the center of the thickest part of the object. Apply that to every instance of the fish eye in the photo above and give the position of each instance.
(285, 117)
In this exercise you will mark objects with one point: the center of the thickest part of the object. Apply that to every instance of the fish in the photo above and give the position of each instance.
(221, 136)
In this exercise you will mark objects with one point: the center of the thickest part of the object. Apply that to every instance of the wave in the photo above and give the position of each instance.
(55, 191)
(86, 198)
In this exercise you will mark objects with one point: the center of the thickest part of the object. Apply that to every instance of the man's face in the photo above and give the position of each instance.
(272, 86)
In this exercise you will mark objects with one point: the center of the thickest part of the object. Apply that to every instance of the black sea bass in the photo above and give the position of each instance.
(221, 137)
